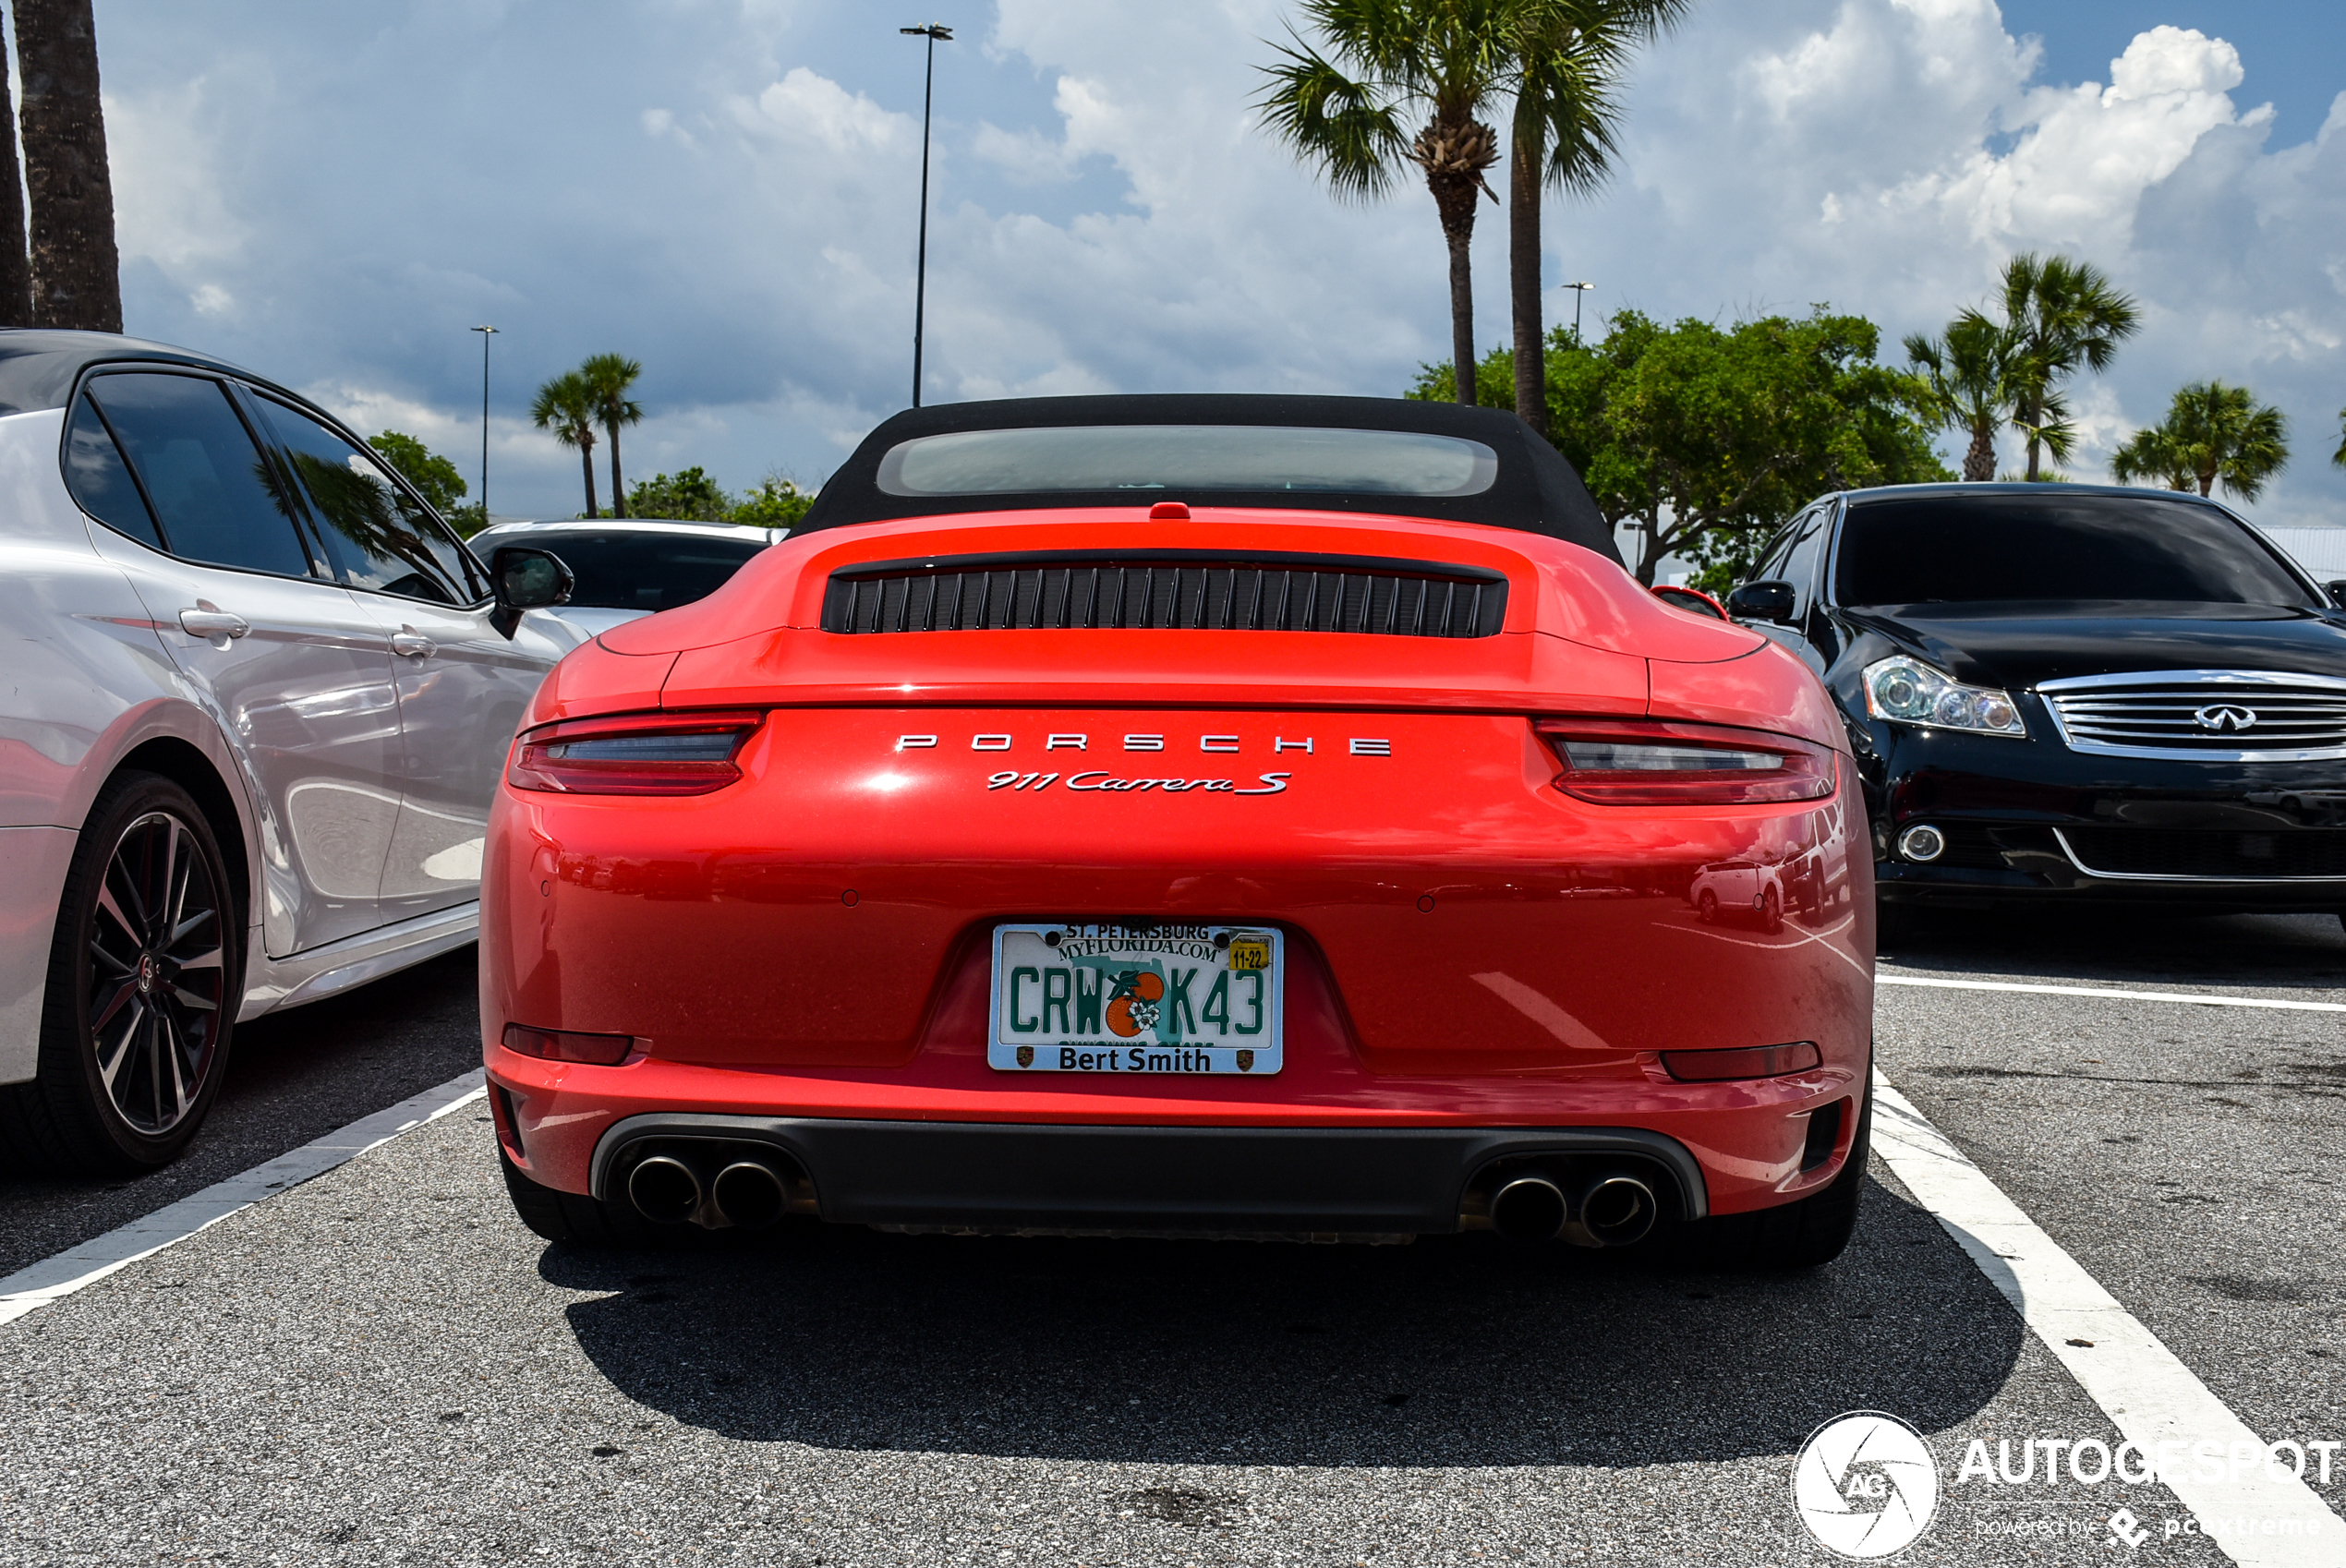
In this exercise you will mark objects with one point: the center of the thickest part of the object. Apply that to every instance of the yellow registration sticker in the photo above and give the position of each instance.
(1250, 952)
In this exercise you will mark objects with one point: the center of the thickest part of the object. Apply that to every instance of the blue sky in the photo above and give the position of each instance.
(726, 189)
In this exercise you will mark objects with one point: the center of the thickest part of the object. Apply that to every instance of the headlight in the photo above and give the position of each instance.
(1913, 693)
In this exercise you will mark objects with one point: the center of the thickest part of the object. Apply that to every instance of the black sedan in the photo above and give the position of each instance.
(2064, 692)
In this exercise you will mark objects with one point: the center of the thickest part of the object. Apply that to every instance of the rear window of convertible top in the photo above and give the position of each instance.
(1188, 458)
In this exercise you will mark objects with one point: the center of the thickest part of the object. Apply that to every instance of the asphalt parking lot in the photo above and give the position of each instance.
(380, 1366)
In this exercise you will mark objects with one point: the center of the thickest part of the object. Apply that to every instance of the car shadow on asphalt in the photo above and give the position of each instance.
(1453, 1351)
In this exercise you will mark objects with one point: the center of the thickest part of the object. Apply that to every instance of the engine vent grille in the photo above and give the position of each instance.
(1169, 590)
(2211, 714)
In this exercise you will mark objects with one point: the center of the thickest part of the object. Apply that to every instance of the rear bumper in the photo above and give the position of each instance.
(1211, 1180)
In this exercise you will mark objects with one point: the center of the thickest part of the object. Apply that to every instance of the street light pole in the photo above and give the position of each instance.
(486, 332)
(1580, 291)
(933, 32)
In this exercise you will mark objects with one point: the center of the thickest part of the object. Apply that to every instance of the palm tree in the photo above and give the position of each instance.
(1970, 386)
(1568, 58)
(1343, 111)
(16, 271)
(76, 269)
(608, 377)
(566, 406)
(2060, 316)
(2338, 457)
(2212, 432)
(2150, 454)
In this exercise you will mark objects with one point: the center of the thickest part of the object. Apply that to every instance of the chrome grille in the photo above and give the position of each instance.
(2209, 714)
(1167, 590)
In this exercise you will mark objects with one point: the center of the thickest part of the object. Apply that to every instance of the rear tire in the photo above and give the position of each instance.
(1802, 1235)
(1706, 908)
(1771, 912)
(146, 973)
(571, 1217)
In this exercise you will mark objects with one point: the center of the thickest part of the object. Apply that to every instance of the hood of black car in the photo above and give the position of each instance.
(2016, 646)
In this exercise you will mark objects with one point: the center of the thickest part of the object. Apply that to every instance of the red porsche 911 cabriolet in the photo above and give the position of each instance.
(1181, 815)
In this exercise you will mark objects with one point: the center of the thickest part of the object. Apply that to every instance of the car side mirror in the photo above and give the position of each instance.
(526, 578)
(1766, 600)
(2337, 587)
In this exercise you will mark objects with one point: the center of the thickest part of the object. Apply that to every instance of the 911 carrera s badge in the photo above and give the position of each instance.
(1136, 996)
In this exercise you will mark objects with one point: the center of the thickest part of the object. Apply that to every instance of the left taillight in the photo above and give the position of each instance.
(1661, 763)
(678, 754)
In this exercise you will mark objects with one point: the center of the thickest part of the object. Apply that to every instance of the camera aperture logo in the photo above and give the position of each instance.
(1866, 1485)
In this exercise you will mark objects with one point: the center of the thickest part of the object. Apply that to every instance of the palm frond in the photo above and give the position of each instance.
(1349, 130)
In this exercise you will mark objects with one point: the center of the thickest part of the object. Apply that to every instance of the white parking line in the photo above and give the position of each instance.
(31, 1288)
(2195, 997)
(2148, 1393)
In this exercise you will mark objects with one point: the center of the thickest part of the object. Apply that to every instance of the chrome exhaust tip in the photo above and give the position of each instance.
(1611, 1209)
(749, 1194)
(1528, 1211)
(664, 1189)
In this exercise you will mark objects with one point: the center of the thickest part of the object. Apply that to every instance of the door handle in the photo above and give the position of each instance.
(413, 644)
(209, 623)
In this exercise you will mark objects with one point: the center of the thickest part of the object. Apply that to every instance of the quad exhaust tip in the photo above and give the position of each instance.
(665, 1189)
(1607, 1207)
(748, 1191)
(750, 1194)
(1528, 1211)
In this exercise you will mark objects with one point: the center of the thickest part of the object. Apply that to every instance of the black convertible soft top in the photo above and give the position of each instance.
(1534, 488)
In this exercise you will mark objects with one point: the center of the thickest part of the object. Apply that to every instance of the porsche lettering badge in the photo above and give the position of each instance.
(1092, 781)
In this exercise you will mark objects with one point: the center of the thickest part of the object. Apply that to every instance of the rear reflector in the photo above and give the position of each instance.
(569, 1045)
(1749, 1061)
(1654, 763)
(642, 753)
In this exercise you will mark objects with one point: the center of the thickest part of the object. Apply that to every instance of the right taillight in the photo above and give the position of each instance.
(1663, 762)
(673, 753)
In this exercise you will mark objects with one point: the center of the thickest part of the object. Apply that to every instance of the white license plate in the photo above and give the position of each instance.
(1170, 999)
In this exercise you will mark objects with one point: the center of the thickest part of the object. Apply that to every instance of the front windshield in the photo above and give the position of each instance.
(627, 570)
(1184, 458)
(1986, 549)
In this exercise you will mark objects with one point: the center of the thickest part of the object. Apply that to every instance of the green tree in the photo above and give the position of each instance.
(434, 477)
(777, 502)
(565, 405)
(2338, 457)
(1705, 439)
(2060, 317)
(689, 495)
(1341, 106)
(1568, 58)
(2212, 432)
(608, 378)
(1968, 373)
(2151, 456)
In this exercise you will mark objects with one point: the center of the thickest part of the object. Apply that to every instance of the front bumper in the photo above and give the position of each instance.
(2035, 820)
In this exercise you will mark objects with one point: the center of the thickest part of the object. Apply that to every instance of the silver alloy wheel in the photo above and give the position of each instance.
(157, 973)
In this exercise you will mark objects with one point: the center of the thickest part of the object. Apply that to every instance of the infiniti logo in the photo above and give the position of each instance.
(2225, 717)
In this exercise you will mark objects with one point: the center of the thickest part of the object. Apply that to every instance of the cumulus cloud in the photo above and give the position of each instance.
(726, 190)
